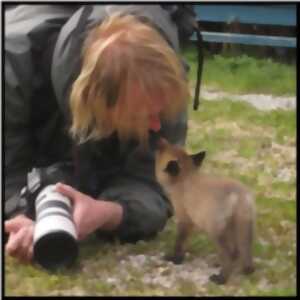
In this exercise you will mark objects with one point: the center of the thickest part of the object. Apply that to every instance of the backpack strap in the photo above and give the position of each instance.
(200, 67)
(185, 19)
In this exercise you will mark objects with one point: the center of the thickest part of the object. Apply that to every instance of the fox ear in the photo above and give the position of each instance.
(198, 158)
(172, 168)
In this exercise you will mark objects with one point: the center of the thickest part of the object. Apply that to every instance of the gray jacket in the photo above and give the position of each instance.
(42, 59)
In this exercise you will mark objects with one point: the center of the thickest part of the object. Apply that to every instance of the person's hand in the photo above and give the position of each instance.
(90, 214)
(20, 241)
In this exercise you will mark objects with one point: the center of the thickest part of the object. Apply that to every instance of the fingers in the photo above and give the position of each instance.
(67, 191)
(27, 246)
(20, 244)
(12, 244)
(11, 226)
(14, 225)
(29, 253)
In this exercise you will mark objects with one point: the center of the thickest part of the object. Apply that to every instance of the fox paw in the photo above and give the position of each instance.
(175, 259)
(217, 278)
(248, 270)
(216, 264)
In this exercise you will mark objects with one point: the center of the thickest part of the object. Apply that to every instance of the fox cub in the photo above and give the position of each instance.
(221, 207)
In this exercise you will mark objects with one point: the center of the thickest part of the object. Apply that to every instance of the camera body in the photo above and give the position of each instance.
(55, 238)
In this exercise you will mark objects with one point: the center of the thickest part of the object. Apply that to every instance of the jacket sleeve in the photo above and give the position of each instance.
(27, 28)
(145, 209)
(145, 205)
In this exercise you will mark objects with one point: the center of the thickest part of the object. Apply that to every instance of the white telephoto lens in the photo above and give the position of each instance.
(55, 237)
(53, 211)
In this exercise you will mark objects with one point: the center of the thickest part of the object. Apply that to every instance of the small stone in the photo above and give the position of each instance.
(112, 280)
(284, 175)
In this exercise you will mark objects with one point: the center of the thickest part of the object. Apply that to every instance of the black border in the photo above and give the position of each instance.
(7, 3)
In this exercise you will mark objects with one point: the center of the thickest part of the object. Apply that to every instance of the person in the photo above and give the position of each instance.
(92, 85)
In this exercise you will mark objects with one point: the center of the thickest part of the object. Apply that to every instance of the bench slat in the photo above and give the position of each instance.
(248, 39)
(284, 15)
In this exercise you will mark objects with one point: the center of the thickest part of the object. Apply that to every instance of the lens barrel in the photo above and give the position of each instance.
(55, 237)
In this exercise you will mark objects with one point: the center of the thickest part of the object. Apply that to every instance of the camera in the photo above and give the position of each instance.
(55, 238)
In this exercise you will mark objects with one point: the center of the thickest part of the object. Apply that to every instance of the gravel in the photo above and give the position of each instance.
(155, 271)
(260, 101)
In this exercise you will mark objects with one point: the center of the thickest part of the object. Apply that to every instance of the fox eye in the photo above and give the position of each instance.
(172, 168)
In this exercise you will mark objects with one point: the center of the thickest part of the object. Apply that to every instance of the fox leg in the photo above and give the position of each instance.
(245, 239)
(229, 243)
(183, 230)
(226, 261)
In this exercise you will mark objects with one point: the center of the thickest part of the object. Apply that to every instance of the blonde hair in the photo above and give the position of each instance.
(126, 65)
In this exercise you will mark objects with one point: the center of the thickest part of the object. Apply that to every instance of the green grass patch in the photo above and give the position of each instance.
(282, 121)
(244, 74)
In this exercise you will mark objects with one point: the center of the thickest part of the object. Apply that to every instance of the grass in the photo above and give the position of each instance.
(241, 142)
(259, 148)
(244, 74)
